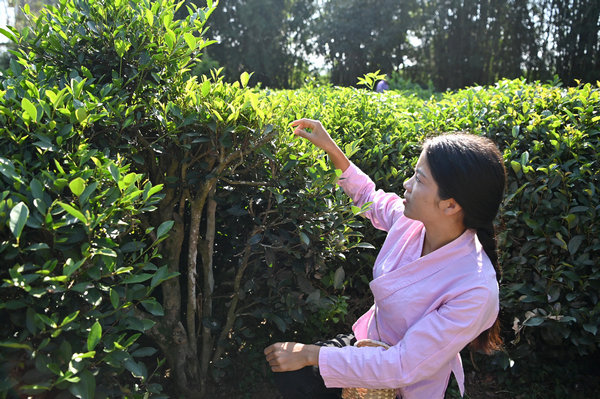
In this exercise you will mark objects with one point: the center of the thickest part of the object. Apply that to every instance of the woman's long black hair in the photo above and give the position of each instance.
(470, 169)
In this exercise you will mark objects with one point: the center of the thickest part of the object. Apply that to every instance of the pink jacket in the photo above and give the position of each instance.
(429, 308)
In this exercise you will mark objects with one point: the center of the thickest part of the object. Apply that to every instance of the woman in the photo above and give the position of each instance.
(434, 280)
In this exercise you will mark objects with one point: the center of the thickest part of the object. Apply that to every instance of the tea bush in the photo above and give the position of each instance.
(73, 249)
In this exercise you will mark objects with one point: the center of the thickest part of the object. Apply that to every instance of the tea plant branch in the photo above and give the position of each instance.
(173, 342)
(247, 306)
(246, 183)
(208, 285)
(232, 311)
(196, 210)
(249, 149)
(170, 193)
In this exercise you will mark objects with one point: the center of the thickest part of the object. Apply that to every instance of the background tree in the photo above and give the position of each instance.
(466, 42)
(268, 37)
(452, 43)
(575, 36)
(357, 37)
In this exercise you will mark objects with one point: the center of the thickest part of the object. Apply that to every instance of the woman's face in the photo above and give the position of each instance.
(421, 199)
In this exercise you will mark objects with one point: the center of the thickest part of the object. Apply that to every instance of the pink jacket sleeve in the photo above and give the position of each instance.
(427, 346)
(385, 208)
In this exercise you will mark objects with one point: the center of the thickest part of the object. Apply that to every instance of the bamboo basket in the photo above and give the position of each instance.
(365, 393)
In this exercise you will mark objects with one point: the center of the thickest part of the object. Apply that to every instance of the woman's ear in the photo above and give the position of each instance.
(450, 207)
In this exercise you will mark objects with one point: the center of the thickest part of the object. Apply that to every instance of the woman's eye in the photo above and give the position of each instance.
(417, 178)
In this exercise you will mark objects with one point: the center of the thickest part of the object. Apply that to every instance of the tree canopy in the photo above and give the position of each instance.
(267, 37)
(453, 43)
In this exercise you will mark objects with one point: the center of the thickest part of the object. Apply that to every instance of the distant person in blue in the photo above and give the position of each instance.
(382, 86)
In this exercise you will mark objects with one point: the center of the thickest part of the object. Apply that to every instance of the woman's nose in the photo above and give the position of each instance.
(408, 184)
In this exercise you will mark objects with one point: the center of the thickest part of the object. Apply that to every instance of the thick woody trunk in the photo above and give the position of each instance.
(177, 332)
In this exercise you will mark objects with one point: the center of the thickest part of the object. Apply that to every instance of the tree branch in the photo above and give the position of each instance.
(209, 283)
(245, 183)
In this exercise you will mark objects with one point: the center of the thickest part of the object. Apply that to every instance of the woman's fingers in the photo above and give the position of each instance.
(285, 356)
(317, 134)
(304, 122)
(301, 125)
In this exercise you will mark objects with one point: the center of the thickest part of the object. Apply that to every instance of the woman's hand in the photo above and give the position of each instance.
(319, 137)
(291, 356)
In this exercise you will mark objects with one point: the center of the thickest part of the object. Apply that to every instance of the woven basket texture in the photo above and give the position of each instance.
(364, 393)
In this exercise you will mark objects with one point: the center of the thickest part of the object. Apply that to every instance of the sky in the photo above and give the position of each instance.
(7, 17)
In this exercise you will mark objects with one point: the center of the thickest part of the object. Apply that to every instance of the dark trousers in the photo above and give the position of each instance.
(307, 382)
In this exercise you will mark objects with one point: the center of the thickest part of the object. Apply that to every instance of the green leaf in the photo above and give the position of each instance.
(137, 278)
(137, 369)
(94, 336)
(205, 88)
(81, 114)
(16, 345)
(74, 212)
(114, 172)
(338, 278)
(143, 352)
(365, 245)
(170, 39)
(150, 190)
(534, 321)
(574, 243)
(29, 109)
(162, 274)
(129, 179)
(86, 387)
(516, 167)
(591, 328)
(69, 318)
(71, 267)
(121, 47)
(9, 35)
(18, 217)
(114, 298)
(278, 322)
(149, 17)
(164, 228)
(140, 324)
(7, 168)
(37, 190)
(244, 78)
(77, 186)
(153, 307)
(105, 252)
(515, 131)
(80, 356)
(46, 320)
(190, 40)
(304, 238)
